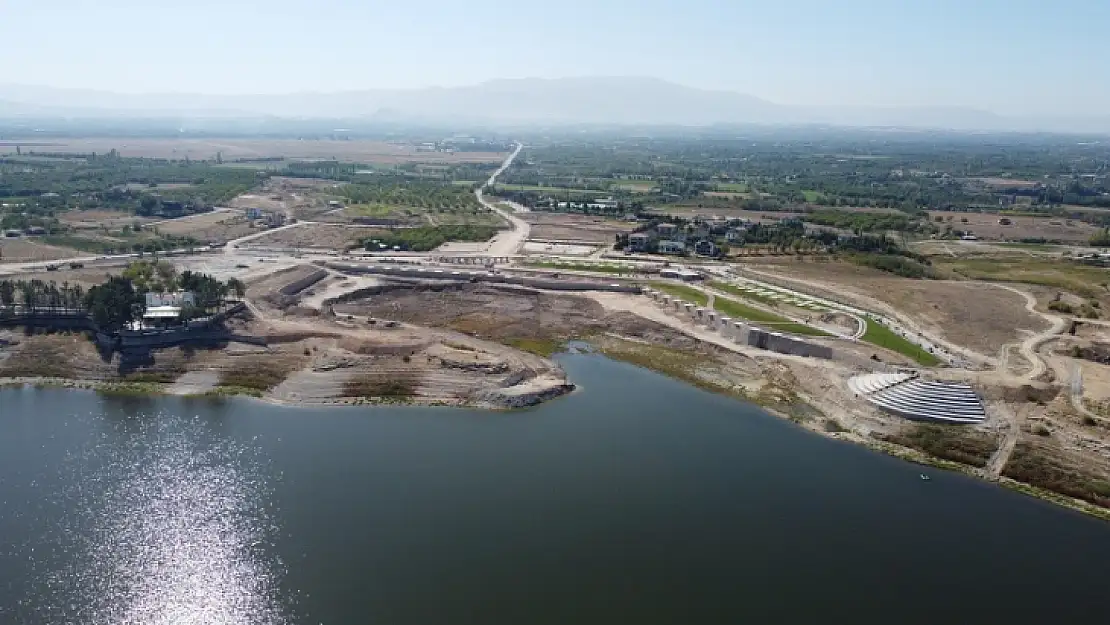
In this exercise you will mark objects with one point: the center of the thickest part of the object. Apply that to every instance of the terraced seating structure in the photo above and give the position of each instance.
(907, 395)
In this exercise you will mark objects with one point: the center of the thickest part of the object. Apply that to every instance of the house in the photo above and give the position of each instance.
(35, 231)
(736, 235)
(706, 247)
(639, 241)
(679, 273)
(671, 247)
(666, 230)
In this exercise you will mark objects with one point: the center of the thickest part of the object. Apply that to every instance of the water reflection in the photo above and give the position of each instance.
(171, 526)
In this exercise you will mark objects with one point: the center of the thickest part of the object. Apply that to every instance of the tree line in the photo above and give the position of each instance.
(120, 300)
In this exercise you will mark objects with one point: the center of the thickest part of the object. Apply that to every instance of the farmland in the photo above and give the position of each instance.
(252, 149)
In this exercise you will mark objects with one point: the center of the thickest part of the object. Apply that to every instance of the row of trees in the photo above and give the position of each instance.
(37, 295)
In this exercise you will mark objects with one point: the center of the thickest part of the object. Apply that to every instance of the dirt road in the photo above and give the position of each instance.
(508, 242)
(1030, 345)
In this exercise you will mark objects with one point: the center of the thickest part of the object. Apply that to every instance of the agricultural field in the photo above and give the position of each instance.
(23, 250)
(240, 149)
(338, 237)
(195, 225)
(575, 227)
(986, 226)
(94, 219)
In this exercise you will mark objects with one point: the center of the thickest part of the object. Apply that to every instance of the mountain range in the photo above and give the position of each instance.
(593, 100)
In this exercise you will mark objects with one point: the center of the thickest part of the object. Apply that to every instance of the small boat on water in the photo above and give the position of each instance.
(925, 478)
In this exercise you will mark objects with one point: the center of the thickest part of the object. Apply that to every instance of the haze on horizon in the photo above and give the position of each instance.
(1011, 57)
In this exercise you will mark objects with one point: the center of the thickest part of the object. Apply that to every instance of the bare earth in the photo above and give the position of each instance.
(986, 226)
(23, 250)
(973, 314)
(566, 227)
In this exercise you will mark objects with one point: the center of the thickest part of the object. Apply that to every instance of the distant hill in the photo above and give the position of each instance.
(594, 100)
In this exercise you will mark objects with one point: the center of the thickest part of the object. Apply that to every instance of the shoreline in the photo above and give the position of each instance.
(560, 388)
(493, 402)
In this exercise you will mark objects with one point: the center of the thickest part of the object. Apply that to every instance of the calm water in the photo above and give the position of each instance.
(638, 500)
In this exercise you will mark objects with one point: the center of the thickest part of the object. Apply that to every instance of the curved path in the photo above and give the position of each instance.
(1029, 346)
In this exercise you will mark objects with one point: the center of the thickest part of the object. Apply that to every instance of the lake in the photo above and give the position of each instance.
(637, 500)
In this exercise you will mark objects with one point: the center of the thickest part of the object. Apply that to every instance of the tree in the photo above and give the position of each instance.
(115, 303)
(237, 287)
(7, 293)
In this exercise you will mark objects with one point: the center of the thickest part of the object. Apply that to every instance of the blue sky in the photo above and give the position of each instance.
(1009, 56)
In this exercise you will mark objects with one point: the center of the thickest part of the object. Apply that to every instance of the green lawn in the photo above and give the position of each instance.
(882, 336)
(736, 310)
(811, 196)
(681, 291)
(737, 291)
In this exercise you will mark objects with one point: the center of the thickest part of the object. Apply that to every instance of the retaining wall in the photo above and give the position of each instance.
(494, 278)
(297, 286)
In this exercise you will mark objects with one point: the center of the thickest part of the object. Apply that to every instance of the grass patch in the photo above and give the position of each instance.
(539, 347)
(732, 289)
(812, 196)
(399, 387)
(882, 336)
(950, 442)
(672, 363)
(425, 238)
(1082, 280)
(129, 389)
(259, 375)
(1030, 464)
(681, 291)
(736, 310)
(232, 391)
(151, 377)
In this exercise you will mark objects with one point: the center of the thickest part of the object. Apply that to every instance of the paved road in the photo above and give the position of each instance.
(508, 242)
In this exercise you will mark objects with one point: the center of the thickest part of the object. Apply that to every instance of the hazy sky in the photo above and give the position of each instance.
(1010, 56)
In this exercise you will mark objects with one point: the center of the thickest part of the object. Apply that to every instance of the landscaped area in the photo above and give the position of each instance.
(882, 336)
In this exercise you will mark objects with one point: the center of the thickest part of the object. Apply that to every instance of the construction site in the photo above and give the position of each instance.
(844, 351)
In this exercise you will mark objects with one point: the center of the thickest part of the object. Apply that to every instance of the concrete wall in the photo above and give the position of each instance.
(550, 284)
(297, 286)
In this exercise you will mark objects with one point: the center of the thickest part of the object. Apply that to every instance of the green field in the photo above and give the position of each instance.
(811, 196)
(464, 183)
(687, 293)
(736, 310)
(372, 210)
(733, 187)
(635, 186)
(557, 191)
(882, 336)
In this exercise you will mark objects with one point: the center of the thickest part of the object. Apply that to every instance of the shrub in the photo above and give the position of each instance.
(1062, 307)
